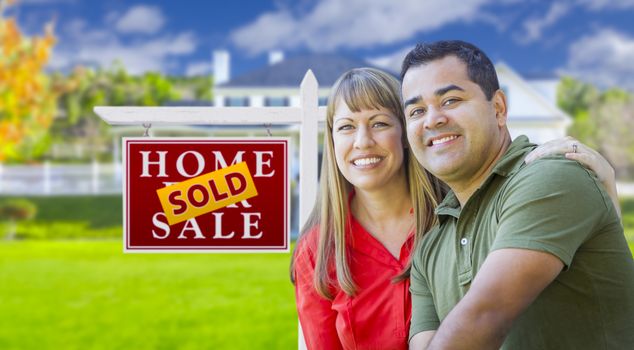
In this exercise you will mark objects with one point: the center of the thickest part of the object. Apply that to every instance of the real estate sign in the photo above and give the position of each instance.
(218, 194)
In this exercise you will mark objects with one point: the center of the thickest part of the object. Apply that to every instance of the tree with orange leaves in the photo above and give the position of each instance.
(27, 99)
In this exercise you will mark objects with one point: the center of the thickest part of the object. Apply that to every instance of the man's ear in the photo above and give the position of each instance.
(499, 104)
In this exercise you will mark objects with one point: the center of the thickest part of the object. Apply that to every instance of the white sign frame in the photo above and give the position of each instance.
(307, 115)
(175, 249)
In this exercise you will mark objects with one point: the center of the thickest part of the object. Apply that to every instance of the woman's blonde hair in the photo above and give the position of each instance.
(360, 89)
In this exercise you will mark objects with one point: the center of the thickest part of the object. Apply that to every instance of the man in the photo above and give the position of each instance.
(524, 256)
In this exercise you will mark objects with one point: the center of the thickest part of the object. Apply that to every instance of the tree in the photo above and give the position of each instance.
(86, 88)
(613, 117)
(197, 87)
(27, 97)
(603, 120)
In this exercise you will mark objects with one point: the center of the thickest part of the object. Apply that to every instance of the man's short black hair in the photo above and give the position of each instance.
(479, 67)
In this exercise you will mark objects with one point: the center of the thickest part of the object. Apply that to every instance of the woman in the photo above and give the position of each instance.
(351, 263)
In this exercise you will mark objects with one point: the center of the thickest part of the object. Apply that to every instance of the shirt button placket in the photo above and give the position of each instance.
(465, 248)
(465, 256)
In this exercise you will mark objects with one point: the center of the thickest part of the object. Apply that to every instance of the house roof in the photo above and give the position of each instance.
(290, 72)
(540, 76)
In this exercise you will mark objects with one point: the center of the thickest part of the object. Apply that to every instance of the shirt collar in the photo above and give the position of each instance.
(450, 206)
(513, 160)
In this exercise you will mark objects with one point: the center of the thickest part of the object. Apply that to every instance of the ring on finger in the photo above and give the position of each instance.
(574, 148)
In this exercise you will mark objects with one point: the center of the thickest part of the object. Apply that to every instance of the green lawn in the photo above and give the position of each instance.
(89, 295)
(57, 293)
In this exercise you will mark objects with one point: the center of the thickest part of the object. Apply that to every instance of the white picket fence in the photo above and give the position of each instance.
(60, 179)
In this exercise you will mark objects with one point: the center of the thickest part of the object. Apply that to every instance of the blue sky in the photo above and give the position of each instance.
(589, 39)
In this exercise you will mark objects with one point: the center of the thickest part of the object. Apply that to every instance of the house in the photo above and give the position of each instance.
(533, 108)
(277, 84)
(532, 105)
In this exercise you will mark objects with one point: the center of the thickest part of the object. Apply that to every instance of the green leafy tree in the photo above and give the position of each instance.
(195, 87)
(156, 89)
(103, 87)
(614, 124)
(577, 98)
(603, 120)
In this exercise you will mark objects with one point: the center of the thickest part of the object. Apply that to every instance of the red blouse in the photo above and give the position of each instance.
(377, 317)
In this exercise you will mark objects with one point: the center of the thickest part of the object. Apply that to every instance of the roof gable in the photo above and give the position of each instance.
(524, 100)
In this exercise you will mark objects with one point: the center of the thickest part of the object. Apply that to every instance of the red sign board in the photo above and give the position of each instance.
(218, 194)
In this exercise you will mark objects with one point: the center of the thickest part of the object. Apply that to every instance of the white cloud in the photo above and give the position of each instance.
(141, 19)
(183, 43)
(534, 26)
(100, 47)
(392, 61)
(606, 4)
(604, 58)
(198, 68)
(333, 24)
(77, 31)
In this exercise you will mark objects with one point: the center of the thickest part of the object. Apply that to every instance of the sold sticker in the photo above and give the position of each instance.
(206, 193)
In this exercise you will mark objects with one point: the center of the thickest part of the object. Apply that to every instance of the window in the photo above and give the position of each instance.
(276, 101)
(323, 101)
(236, 101)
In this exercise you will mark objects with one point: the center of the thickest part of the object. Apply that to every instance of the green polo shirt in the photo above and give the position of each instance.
(552, 205)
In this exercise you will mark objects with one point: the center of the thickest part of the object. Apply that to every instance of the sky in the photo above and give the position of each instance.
(592, 40)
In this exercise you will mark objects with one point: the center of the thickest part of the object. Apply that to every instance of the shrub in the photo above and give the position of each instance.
(17, 209)
(14, 210)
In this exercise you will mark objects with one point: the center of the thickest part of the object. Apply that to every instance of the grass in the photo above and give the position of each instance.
(57, 293)
(89, 295)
